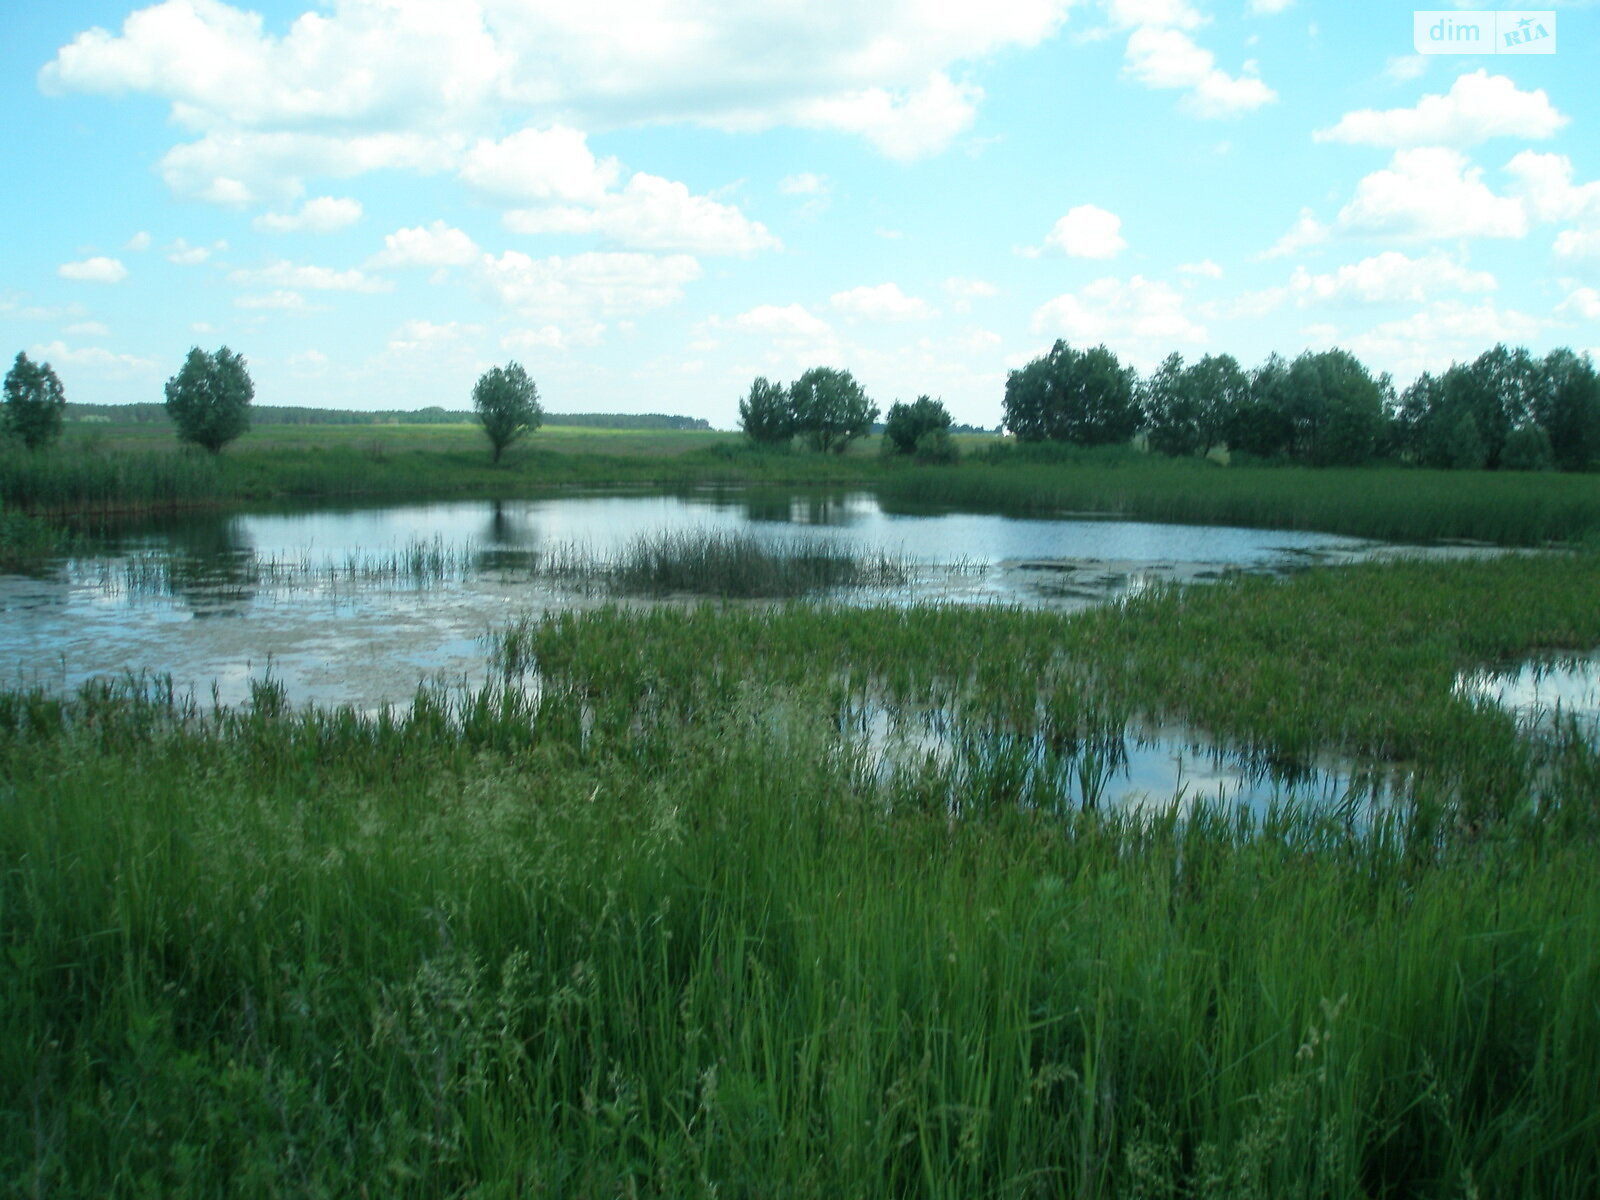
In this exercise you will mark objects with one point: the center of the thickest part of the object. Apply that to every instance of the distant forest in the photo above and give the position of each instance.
(266, 414)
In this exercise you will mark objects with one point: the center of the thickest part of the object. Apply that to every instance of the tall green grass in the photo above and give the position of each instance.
(1391, 504)
(743, 566)
(657, 926)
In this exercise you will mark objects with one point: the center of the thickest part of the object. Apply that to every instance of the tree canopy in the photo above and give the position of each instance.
(1081, 396)
(507, 403)
(35, 402)
(766, 414)
(830, 408)
(209, 398)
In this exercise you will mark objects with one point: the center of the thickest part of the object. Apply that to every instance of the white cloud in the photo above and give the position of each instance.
(138, 243)
(806, 183)
(281, 300)
(1478, 106)
(554, 337)
(1140, 318)
(1087, 231)
(436, 245)
(885, 302)
(1306, 231)
(1269, 7)
(426, 335)
(1430, 192)
(185, 255)
(240, 168)
(94, 270)
(94, 357)
(550, 164)
(1544, 181)
(652, 213)
(1446, 331)
(1582, 303)
(1130, 14)
(904, 123)
(325, 214)
(89, 329)
(1164, 57)
(1204, 268)
(1388, 278)
(284, 274)
(608, 284)
(432, 76)
(1578, 246)
(791, 320)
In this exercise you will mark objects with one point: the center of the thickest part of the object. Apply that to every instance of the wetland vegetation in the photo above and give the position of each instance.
(657, 913)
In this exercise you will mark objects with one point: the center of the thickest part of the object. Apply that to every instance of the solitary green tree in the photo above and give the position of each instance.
(767, 414)
(35, 403)
(907, 424)
(507, 402)
(209, 398)
(830, 408)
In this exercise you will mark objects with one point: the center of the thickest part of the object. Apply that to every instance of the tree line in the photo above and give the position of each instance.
(1508, 409)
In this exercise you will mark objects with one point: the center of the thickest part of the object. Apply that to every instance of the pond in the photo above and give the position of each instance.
(358, 605)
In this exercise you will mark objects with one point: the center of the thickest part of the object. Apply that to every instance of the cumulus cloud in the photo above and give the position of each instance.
(97, 358)
(284, 274)
(606, 284)
(1167, 57)
(138, 243)
(554, 337)
(1087, 231)
(1430, 192)
(652, 213)
(1205, 268)
(541, 164)
(185, 255)
(426, 335)
(789, 320)
(1388, 278)
(1445, 331)
(362, 84)
(1306, 231)
(1478, 106)
(436, 245)
(1544, 182)
(94, 270)
(1581, 303)
(325, 214)
(1138, 317)
(885, 302)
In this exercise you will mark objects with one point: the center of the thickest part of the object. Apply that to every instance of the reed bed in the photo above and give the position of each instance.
(659, 925)
(742, 566)
(1387, 503)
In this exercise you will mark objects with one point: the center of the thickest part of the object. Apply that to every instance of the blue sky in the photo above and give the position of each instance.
(650, 202)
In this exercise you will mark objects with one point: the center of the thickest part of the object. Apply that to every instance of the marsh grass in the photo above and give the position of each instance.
(1388, 503)
(659, 925)
(743, 566)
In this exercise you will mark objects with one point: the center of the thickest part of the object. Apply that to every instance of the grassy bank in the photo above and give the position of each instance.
(663, 930)
(103, 469)
(1388, 503)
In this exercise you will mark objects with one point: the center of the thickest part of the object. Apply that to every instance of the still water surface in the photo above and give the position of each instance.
(217, 600)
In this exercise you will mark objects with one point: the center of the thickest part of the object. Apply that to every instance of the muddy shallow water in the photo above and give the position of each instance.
(358, 605)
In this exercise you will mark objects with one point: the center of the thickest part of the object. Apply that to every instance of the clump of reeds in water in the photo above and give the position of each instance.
(742, 566)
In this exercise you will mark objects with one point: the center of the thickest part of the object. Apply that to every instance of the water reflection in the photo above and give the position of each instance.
(1542, 694)
(357, 603)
